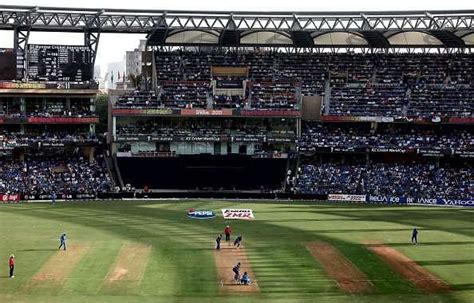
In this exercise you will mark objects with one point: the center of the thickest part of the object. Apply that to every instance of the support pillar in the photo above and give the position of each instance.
(20, 43)
(91, 40)
(23, 105)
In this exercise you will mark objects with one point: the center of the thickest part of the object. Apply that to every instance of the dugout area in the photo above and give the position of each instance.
(203, 172)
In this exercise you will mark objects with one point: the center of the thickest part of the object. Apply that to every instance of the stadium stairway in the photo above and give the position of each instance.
(113, 171)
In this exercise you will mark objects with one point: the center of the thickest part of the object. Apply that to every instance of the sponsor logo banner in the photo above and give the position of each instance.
(85, 196)
(433, 152)
(201, 214)
(82, 196)
(21, 85)
(461, 153)
(357, 118)
(457, 202)
(9, 198)
(427, 201)
(139, 112)
(387, 200)
(238, 214)
(388, 150)
(229, 83)
(63, 120)
(442, 202)
(51, 144)
(206, 112)
(344, 197)
(248, 139)
(461, 120)
(49, 85)
(264, 113)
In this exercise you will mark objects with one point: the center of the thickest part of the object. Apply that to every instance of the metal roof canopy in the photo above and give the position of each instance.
(372, 29)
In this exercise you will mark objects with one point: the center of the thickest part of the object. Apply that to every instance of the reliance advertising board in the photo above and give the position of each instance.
(386, 199)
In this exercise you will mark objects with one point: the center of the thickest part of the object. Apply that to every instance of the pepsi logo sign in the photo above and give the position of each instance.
(201, 214)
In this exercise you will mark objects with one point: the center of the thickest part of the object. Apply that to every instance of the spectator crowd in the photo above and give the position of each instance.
(75, 107)
(315, 135)
(382, 179)
(58, 175)
(390, 85)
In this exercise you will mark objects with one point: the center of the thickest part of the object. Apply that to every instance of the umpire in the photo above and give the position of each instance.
(11, 264)
(227, 232)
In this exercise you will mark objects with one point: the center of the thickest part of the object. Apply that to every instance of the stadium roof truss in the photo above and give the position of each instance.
(446, 30)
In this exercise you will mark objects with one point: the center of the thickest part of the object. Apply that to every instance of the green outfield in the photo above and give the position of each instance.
(149, 251)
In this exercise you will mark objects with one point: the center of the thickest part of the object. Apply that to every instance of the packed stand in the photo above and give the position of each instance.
(225, 101)
(397, 180)
(273, 95)
(61, 175)
(390, 85)
(138, 99)
(316, 135)
(51, 108)
(444, 101)
(408, 85)
(181, 94)
(368, 101)
(59, 109)
(182, 67)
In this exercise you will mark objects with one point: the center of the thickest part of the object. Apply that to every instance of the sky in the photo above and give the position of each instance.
(112, 47)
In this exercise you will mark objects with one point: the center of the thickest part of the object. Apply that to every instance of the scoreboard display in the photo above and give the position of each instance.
(7, 64)
(59, 63)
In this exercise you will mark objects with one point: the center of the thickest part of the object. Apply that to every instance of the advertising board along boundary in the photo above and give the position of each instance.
(465, 202)
(237, 214)
(9, 198)
(346, 197)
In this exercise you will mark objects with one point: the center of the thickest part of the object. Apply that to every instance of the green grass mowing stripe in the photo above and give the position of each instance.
(88, 276)
(167, 228)
(54, 273)
(196, 272)
(177, 270)
(452, 263)
(161, 278)
(286, 269)
(384, 279)
(27, 264)
(126, 274)
(32, 240)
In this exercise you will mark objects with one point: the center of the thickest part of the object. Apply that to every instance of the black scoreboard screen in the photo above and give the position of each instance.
(7, 64)
(59, 63)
